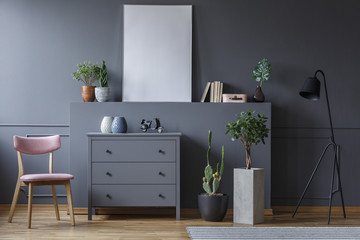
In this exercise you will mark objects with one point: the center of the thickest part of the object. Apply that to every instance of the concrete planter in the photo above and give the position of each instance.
(249, 193)
(102, 94)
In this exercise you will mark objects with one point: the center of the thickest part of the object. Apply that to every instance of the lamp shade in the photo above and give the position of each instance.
(311, 89)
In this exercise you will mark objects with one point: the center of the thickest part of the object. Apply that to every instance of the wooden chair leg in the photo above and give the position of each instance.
(70, 203)
(30, 204)
(14, 201)
(55, 202)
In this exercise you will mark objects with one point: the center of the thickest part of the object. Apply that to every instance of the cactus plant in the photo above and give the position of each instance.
(103, 77)
(211, 177)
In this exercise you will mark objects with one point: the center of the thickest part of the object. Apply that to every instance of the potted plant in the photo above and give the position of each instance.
(102, 93)
(212, 205)
(87, 73)
(250, 129)
(261, 73)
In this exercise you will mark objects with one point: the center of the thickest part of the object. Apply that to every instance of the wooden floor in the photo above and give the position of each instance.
(149, 226)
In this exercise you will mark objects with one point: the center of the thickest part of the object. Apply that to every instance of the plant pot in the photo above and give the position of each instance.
(213, 207)
(102, 94)
(88, 93)
(249, 193)
(258, 95)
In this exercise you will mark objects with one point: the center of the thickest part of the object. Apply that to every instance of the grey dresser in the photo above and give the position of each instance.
(134, 169)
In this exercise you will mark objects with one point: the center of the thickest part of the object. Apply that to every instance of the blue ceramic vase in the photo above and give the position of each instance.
(119, 125)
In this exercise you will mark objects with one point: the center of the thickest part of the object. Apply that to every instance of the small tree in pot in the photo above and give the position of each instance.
(102, 93)
(249, 129)
(87, 73)
(212, 205)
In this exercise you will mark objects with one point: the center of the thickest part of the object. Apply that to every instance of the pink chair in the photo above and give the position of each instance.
(35, 146)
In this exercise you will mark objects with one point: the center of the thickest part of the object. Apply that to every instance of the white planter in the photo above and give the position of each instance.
(102, 94)
(249, 193)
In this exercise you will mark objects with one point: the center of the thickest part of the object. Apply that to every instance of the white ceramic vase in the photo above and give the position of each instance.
(106, 124)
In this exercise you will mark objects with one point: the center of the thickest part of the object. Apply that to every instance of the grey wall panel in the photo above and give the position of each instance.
(32, 164)
(295, 153)
(193, 120)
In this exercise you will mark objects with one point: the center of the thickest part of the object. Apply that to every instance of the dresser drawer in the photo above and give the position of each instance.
(133, 195)
(133, 173)
(133, 150)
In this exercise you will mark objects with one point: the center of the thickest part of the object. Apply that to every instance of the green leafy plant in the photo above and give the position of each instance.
(87, 73)
(103, 76)
(262, 71)
(210, 174)
(250, 128)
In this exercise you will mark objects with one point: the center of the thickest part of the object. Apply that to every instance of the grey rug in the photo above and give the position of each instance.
(273, 233)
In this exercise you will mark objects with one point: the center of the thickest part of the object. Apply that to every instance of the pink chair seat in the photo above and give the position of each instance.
(46, 177)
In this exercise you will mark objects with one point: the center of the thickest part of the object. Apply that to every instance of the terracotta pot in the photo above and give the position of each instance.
(88, 93)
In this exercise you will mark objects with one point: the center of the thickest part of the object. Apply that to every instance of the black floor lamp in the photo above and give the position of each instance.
(311, 90)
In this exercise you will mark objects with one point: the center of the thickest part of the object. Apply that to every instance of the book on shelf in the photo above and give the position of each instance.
(216, 90)
(212, 88)
(216, 87)
(221, 91)
(206, 90)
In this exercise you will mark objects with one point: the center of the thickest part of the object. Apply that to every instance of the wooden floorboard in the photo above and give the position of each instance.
(149, 226)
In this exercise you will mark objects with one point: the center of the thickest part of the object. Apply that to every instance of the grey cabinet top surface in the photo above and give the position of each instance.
(167, 134)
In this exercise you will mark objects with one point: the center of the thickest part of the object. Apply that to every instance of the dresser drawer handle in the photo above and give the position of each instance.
(109, 196)
(108, 151)
(162, 174)
(161, 151)
(161, 196)
(109, 174)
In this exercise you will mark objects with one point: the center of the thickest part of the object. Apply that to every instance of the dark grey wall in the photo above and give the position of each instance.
(42, 41)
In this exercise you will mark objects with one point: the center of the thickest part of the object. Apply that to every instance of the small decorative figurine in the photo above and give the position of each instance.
(158, 126)
(145, 125)
(157, 121)
(160, 129)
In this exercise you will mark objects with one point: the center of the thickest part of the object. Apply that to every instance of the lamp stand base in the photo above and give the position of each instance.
(332, 191)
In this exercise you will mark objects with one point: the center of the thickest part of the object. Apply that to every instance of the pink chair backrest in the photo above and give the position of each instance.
(37, 145)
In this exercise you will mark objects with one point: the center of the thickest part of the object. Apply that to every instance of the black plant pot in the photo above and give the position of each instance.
(213, 207)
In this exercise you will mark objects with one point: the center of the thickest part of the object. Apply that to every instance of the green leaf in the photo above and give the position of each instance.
(87, 73)
(208, 173)
(262, 71)
(216, 184)
(209, 149)
(222, 162)
(249, 127)
(207, 188)
(103, 77)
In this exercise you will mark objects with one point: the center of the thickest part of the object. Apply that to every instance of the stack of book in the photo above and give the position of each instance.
(216, 90)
